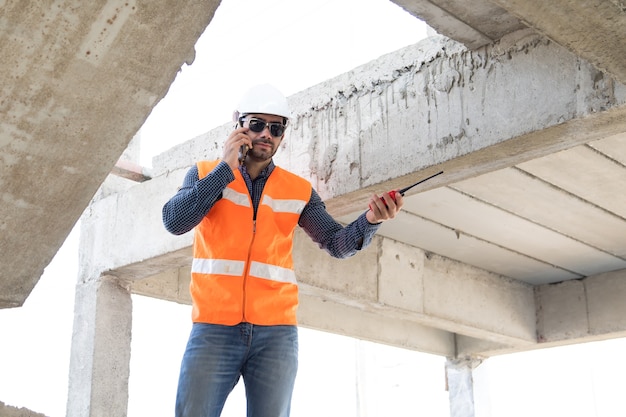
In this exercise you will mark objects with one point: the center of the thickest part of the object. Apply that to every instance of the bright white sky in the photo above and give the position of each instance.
(301, 43)
(290, 44)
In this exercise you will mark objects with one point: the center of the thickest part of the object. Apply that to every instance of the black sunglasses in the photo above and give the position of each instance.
(257, 125)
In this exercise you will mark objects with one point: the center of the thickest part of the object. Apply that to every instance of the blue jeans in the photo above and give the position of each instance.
(216, 356)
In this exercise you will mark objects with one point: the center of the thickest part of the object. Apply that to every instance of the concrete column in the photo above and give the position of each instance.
(100, 355)
(461, 386)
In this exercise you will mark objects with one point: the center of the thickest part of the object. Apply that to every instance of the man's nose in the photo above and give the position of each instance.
(266, 132)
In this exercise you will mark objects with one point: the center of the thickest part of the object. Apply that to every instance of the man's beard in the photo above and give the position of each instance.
(261, 154)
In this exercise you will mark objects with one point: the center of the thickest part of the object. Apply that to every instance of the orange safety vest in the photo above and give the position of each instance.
(242, 269)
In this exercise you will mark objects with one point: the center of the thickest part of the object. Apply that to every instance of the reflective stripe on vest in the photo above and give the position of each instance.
(236, 268)
(284, 206)
(239, 199)
(272, 272)
(218, 266)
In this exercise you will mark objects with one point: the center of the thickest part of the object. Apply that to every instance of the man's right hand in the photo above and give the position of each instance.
(237, 139)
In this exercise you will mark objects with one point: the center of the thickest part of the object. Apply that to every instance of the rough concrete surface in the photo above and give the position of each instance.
(77, 84)
(10, 411)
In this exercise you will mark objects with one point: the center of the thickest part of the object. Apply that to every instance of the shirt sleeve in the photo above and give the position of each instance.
(186, 209)
(338, 240)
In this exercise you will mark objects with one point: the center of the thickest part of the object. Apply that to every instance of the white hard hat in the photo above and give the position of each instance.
(264, 99)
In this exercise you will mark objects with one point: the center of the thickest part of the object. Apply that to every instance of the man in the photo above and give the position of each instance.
(244, 210)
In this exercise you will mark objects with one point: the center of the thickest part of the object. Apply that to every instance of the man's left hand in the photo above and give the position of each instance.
(384, 207)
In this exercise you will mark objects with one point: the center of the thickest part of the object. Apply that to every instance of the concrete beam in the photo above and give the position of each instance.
(416, 115)
(583, 310)
(170, 285)
(460, 20)
(594, 30)
(569, 312)
(82, 79)
(436, 105)
(129, 171)
(389, 293)
(324, 310)
(399, 281)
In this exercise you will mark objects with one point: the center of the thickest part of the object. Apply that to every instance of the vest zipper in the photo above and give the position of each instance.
(247, 270)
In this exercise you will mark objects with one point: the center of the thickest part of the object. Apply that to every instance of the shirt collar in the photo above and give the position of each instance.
(263, 174)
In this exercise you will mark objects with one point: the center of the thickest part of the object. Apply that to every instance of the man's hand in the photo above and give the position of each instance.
(383, 208)
(233, 144)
